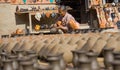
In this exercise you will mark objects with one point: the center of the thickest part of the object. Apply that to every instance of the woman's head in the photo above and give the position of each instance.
(62, 10)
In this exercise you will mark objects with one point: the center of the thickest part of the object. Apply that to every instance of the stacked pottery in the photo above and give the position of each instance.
(7, 65)
(116, 65)
(75, 59)
(44, 67)
(79, 56)
(93, 58)
(108, 57)
(15, 64)
(3, 55)
(116, 54)
(3, 58)
(33, 56)
(55, 63)
(20, 53)
(24, 61)
(84, 65)
(59, 59)
(27, 65)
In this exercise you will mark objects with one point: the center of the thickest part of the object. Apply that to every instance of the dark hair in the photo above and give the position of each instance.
(63, 8)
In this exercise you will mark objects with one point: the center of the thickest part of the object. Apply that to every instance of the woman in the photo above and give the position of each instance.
(66, 22)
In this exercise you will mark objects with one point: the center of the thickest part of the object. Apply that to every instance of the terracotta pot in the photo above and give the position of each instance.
(98, 46)
(90, 43)
(116, 65)
(84, 65)
(44, 67)
(20, 53)
(116, 54)
(66, 49)
(108, 57)
(7, 65)
(3, 58)
(10, 46)
(112, 43)
(22, 60)
(27, 65)
(81, 44)
(117, 49)
(73, 40)
(65, 40)
(47, 14)
(117, 57)
(27, 45)
(18, 46)
(61, 60)
(15, 64)
(39, 47)
(54, 62)
(55, 49)
(42, 51)
(34, 58)
(2, 49)
(93, 58)
(75, 60)
(82, 55)
(2, 46)
(105, 36)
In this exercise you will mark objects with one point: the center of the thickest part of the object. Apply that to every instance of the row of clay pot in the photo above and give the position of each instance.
(28, 60)
(44, 44)
(82, 60)
(111, 59)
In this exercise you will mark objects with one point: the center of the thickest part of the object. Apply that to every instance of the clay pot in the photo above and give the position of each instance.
(117, 58)
(93, 58)
(34, 59)
(108, 57)
(116, 65)
(30, 52)
(90, 43)
(15, 64)
(2, 49)
(61, 60)
(78, 55)
(98, 46)
(3, 56)
(85, 65)
(116, 54)
(39, 47)
(66, 49)
(105, 36)
(82, 55)
(20, 53)
(81, 44)
(47, 14)
(7, 65)
(75, 60)
(27, 65)
(22, 60)
(10, 46)
(54, 62)
(44, 67)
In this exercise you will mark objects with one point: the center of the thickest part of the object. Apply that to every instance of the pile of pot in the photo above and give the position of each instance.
(82, 60)
(61, 43)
